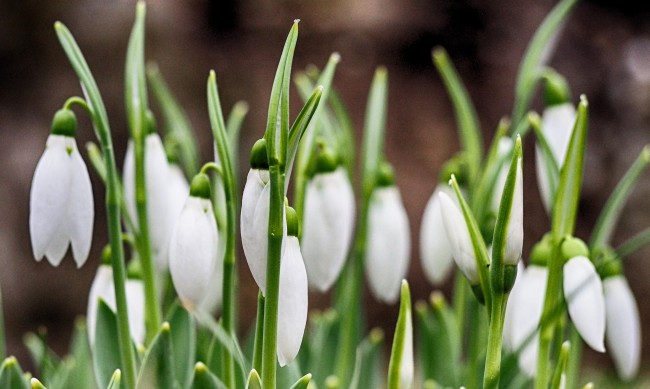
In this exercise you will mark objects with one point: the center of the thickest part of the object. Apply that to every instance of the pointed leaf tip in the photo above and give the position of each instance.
(336, 57)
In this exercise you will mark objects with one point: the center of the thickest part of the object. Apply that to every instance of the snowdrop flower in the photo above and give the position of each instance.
(435, 249)
(193, 245)
(515, 229)
(160, 212)
(583, 292)
(178, 190)
(328, 224)
(388, 244)
(103, 288)
(508, 320)
(557, 126)
(255, 207)
(292, 301)
(623, 332)
(61, 199)
(504, 149)
(459, 239)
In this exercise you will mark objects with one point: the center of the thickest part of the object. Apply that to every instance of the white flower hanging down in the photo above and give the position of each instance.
(515, 229)
(503, 151)
(583, 292)
(508, 320)
(61, 200)
(388, 244)
(557, 126)
(328, 224)
(178, 190)
(160, 212)
(623, 333)
(193, 246)
(435, 249)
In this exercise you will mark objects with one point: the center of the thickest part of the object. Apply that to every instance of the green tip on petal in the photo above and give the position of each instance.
(259, 155)
(200, 186)
(36, 384)
(64, 123)
(254, 381)
(455, 166)
(325, 160)
(134, 270)
(574, 247)
(107, 255)
(556, 88)
(385, 175)
(610, 266)
(541, 252)
(200, 368)
(293, 223)
(509, 277)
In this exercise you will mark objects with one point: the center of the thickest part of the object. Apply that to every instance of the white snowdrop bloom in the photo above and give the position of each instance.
(405, 329)
(507, 339)
(214, 296)
(160, 212)
(557, 126)
(623, 333)
(103, 288)
(458, 236)
(527, 306)
(193, 246)
(388, 244)
(583, 292)
(61, 207)
(515, 229)
(292, 301)
(435, 248)
(504, 149)
(178, 191)
(255, 223)
(328, 224)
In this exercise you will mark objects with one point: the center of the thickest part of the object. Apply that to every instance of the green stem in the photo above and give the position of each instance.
(495, 334)
(259, 333)
(276, 215)
(476, 342)
(575, 355)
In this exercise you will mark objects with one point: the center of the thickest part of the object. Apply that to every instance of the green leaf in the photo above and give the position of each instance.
(233, 128)
(447, 342)
(565, 204)
(183, 337)
(611, 212)
(560, 368)
(157, 370)
(530, 69)
(302, 383)
(321, 345)
(36, 384)
(550, 164)
(45, 360)
(135, 87)
(106, 353)
(373, 132)
(204, 379)
(81, 372)
(177, 124)
(367, 361)
(115, 380)
(633, 244)
(288, 374)
(401, 355)
(11, 375)
(254, 381)
(468, 123)
(347, 132)
(279, 104)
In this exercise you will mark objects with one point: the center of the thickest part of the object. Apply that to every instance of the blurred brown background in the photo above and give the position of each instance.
(604, 51)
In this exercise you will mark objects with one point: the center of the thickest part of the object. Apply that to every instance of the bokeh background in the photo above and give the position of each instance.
(604, 51)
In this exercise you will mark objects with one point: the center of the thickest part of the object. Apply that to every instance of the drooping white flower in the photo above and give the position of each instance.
(504, 149)
(515, 229)
(458, 235)
(178, 190)
(557, 126)
(328, 224)
(527, 306)
(255, 223)
(61, 203)
(292, 301)
(508, 320)
(623, 333)
(160, 212)
(388, 243)
(435, 248)
(103, 288)
(583, 292)
(193, 248)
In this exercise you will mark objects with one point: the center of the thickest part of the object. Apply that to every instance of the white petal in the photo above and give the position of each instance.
(623, 327)
(508, 320)
(557, 126)
(515, 229)
(81, 209)
(135, 307)
(388, 246)
(328, 224)
(128, 182)
(48, 201)
(504, 149)
(435, 248)
(407, 366)
(193, 250)
(292, 302)
(583, 291)
(255, 224)
(527, 305)
(458, 235)
(102, 287)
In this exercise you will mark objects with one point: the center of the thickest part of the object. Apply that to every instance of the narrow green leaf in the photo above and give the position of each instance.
(447, 342)
(115, 380)
(530, 69)
(204, 379)
(373, 132)
(560, 368)
(106, 353)
(135, 87)
(11, 375)
(633, 244)
(157, 370)
(302, 383)
(288, 375)
(608, 218)
(183, 337)
(366, 363)
(400, 367)
(254, 381)
(551, 166)
(233, 128)
(177, 124)
(321, 345)
(568, 193)
(82, 371)
(45, 360)
(36, 384)
(468, 123)
(347, 132)
(299, 126)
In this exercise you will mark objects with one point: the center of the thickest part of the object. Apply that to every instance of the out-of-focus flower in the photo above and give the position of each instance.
(388, 243)
(458, 235)
(328, 224)
(61, 208)
(435, 249)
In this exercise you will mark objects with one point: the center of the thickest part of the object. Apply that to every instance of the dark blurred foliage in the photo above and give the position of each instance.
(604, 51)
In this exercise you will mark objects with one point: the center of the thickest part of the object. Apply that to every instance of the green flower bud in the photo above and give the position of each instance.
(134, 270)
(259, 156)
(478, 293)
(509, 277)
(556, 89)
(574, 247)
(200, 186)
(541, 251)
(293, 224)
(150, 121)
(107, 255)
(385, 175)
(325, 161)
(64, 123)
(457, 165)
